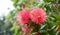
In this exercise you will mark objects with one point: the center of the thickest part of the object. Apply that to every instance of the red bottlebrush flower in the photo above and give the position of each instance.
(25, 29)
(38, 15)
(23, 17)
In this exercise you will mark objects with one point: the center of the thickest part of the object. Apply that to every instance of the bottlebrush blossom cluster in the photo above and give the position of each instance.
(37, 15)
(25, 28)
(23, 17)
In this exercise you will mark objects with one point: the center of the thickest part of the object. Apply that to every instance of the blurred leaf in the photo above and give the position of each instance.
(10, 15)
(57, 16)
(43, 26)
(15, 2)
(48, 0)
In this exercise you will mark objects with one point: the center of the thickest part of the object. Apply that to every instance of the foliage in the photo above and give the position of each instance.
(50, 26)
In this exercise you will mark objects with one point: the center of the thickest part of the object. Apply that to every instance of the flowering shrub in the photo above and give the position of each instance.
(38, 15)
(23, 17)
(35, 17)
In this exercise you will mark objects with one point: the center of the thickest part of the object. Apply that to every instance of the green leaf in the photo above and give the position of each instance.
(15, 2)
(10, 15)
(48, 0)
(43, 26)
(56, 16)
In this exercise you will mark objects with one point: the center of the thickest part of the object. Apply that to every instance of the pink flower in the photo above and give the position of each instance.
(38, 15)
(25, 29)
(23, 17)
